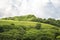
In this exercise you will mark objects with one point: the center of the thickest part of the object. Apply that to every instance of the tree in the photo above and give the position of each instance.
(38, 26)
(1, 29)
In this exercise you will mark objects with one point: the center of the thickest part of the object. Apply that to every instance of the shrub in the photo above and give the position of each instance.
(1, 29)
(38, 26)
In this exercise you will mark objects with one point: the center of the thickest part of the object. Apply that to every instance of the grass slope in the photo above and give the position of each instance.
(25, 23)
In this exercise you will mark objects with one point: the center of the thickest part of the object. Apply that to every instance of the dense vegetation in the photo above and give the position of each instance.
(29, 27)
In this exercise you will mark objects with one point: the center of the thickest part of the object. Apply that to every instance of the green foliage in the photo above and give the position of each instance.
(31, 34)
(11, 35)
(29, 27)
(1, 29)
(38, 26)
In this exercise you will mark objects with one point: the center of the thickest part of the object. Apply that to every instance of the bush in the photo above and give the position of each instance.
(38, 26)
(1, 29)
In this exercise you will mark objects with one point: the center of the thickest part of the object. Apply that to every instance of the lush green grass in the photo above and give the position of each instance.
(47, 26)
(25, 23)
(16, 23)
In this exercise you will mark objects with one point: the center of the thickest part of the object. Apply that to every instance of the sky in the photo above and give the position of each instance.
(39, 8)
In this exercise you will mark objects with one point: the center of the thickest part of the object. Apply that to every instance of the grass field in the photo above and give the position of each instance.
(25, 23)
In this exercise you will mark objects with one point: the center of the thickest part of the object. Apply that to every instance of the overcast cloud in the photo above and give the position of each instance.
(40, 8)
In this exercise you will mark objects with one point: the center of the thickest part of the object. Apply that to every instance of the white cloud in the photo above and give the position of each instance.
(23, 7)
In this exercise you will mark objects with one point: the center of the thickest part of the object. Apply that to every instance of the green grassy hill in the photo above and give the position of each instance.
(27, 28)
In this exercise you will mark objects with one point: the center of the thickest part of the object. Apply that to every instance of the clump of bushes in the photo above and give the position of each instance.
(38, 26)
